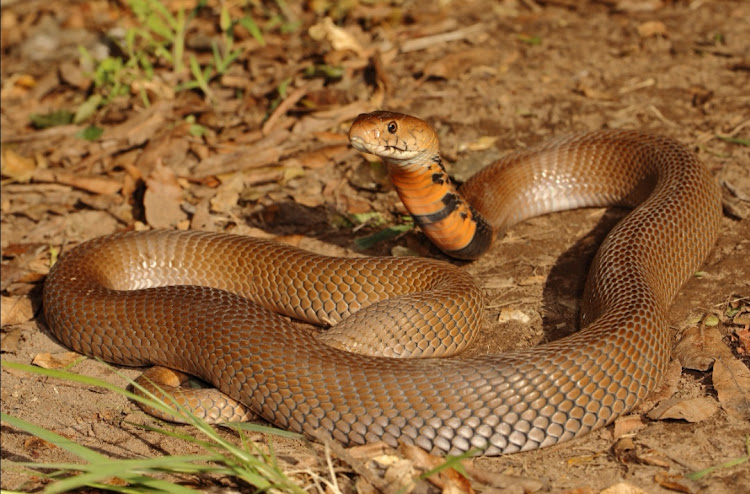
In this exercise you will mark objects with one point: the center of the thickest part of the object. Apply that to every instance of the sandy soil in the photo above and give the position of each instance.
(514, 72)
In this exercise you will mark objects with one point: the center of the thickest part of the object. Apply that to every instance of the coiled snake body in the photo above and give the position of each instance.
(114, 298)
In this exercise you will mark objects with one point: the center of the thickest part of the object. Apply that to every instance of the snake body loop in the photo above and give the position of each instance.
(115, 297)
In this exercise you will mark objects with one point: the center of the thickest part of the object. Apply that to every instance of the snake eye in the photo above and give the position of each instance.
(392, 127)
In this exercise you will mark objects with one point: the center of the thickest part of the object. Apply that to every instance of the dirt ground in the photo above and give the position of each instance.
(266, 154)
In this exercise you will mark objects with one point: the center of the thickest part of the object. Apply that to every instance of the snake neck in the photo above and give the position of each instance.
(447, 219)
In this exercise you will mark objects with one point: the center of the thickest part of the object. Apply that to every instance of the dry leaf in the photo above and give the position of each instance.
(34, 444)
(628, 424)
(510, 484)
(577, 490)
(17, 167)
(9, 339)
(699, 347)
(731, 380)
(202, 218)
(327, 119)
(743, 340)
(675, 482)
(56, 360)
(167, 148)
(448, 479)
(664, 390)
(276, 119)
(227, 194)
(135, 131)
(742, 318)
(15, 310)
(339, 38)
(482, 144)
(652, 28)
(593, 93)
(440, 38)
(89, 224)
(163, 198)
(258, 155)
(371, 451)
(325, 156)
(309, 195)
(95, 184)
(638, 5)
(507, 314)
(690, 410)
(363, 486)
(623, 488)
(624, 450)
(71, 73)
(10, 273)
(537, 279)
(332, 139)
(401, 474)
(654, 458)
(452, 65)
(156, 87)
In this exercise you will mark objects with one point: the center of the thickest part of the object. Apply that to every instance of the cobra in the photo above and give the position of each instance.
(205, 303)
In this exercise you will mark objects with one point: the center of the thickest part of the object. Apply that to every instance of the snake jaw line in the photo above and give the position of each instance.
(387, 152)
(371, 133)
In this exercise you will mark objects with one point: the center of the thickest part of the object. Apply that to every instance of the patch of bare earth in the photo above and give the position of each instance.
(491, 77)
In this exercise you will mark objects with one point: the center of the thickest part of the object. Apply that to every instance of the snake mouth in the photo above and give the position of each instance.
(387, 151)
(395, 148)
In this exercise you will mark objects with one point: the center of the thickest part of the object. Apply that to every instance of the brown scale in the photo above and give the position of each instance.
(200, 302)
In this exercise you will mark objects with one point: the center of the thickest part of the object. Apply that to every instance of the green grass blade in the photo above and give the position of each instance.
(727, 464)
(248, 463)
(199, 76)
(178, 46)
(265, 429)
(91, 381)
(735, 140)
(56, 439)
(248, 23)
(381, 236)
(131, 471)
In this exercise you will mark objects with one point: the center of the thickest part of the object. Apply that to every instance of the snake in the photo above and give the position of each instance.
(223, 307)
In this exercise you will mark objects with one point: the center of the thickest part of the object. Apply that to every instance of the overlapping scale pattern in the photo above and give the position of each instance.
(195, 302)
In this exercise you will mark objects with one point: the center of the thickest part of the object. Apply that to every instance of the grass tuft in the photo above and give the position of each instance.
(248, 464)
